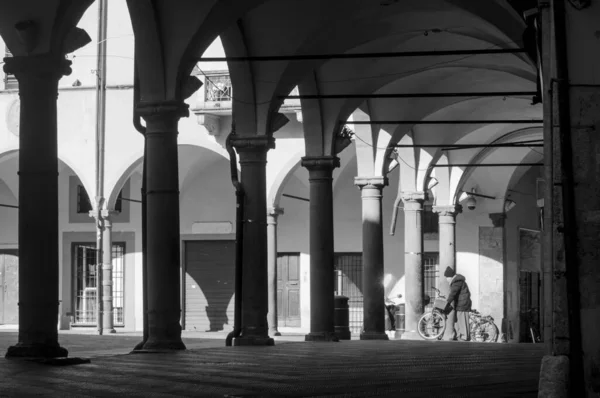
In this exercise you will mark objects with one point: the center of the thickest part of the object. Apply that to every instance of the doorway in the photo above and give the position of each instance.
(9, 287)
(288, 290)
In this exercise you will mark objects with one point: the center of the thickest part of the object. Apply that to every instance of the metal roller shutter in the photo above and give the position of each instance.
(209, 285)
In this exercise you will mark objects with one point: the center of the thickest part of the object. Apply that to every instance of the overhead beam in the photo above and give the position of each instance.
(496, 121)
(488, 165)
(411, 95)
(401, 54)
(450, 146)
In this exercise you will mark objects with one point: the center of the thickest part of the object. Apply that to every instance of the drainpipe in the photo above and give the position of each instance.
(137, 123)
(100, 126)
(576, 376)
(239, 240)
(398, 200)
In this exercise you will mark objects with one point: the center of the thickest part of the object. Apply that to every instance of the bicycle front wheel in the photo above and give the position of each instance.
(431, 325)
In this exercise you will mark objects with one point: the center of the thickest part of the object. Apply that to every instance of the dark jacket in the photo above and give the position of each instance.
(460, 296)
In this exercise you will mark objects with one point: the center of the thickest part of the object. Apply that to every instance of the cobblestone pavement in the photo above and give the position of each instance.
(289, 369)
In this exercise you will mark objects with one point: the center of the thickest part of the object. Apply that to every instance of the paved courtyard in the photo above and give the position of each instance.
(292, 368)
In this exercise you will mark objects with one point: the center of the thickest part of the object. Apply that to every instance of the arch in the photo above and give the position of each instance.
(510, 137)
(136, 162)
(281, 179)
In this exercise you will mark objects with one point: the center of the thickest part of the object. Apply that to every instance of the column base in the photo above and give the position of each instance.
(36, 351)
(108, 331)
(139, 346)
(162, 345)
(321, 336)
(253, 341)
(274, 333)
(411, 335)
(374, 336)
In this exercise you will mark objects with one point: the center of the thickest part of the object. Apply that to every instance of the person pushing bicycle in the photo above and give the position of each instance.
(458, 306)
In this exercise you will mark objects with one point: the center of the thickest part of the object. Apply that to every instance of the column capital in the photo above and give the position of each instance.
(498, 219)
(320, 162)
(374, 182)
(274, 211)
(39, 67)
(447, 210)
(254, 143)
(414, 196)
(162, 116)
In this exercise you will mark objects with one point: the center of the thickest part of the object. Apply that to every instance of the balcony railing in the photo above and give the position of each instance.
(218, 88)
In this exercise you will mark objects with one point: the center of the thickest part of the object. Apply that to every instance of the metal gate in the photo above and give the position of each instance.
(431, 262)
(348, 282)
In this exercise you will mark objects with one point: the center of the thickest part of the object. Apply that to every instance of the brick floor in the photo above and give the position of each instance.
(289, 369)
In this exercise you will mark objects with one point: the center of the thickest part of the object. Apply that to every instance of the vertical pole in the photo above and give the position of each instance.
(100, 127)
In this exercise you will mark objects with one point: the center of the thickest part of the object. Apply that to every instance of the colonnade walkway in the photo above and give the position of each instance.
(292, 368)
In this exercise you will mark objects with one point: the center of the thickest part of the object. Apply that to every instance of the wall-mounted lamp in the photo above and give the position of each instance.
(471, 202)
(508, 205)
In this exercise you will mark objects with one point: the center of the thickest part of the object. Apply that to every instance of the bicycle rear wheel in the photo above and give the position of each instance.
(431, 325)
(489, 332)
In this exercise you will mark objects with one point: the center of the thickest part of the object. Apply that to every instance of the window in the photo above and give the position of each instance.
(430, 220)
(218, 88)
(10, 81)
(118, 203)
(86, 282)
(83, 200)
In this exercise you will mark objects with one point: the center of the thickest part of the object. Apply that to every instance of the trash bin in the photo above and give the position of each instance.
(399, 317)
(341, 319)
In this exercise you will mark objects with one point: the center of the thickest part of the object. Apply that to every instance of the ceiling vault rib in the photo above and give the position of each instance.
(412, 95)
(403, 54)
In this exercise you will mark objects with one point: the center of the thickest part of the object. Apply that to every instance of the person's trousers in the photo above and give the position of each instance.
(458, 326)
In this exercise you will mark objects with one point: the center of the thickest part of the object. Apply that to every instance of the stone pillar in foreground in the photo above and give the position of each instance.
(320, 171)
(107, 275)
(255, 304)
(38, 77)
(272, 215)
(413, 261)
(162, 224)
(372, 258)
(447, 243)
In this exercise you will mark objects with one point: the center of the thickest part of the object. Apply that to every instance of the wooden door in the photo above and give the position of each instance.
(9, 288)
(288, 289)
(529, 300)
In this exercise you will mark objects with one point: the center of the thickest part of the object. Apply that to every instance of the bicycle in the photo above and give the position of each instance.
(432, 324)
(536, 337)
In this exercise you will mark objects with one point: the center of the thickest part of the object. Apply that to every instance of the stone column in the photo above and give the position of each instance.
(413, 261)
(372, 258)
(321, 247)
(107, 276)
(162, 224)
(272, 214)
(492, 275)
(255, 304)
(38, 77)
(447, 243)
